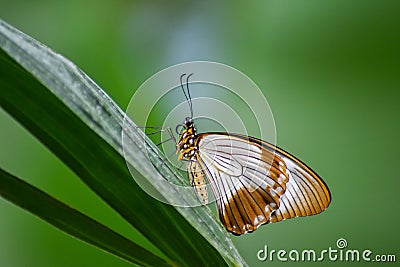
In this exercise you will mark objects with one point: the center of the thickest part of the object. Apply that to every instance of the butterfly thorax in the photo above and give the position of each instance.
(186, 148)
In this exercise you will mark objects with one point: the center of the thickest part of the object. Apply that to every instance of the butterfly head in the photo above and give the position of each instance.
(186, 148)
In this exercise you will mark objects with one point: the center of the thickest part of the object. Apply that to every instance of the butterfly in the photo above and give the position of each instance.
(252, 181)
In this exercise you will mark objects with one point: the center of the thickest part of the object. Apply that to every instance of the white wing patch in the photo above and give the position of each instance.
(219, 152)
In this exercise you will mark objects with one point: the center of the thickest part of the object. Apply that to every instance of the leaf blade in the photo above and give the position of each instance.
(73, 222)
(74, 98)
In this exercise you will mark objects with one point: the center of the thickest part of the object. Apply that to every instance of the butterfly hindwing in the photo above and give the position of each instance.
(247, 193)
(240, 208)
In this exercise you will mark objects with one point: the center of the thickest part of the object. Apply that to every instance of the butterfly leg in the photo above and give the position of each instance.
(158, 130)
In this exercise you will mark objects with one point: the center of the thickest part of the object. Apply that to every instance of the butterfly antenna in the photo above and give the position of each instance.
(190, 98)
(183, 89)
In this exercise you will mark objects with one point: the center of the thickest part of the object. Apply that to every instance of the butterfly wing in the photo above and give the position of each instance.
(306, 193)
(255, 182)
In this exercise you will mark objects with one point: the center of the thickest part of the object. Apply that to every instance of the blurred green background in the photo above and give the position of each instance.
(329, 69)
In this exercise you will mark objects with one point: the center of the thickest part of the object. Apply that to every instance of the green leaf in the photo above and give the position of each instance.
(76, 120)
(73, 222)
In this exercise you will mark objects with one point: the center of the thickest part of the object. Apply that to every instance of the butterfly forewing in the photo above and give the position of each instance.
(254, 182)
(306, 193)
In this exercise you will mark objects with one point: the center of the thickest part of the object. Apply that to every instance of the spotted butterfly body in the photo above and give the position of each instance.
(252, 181)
